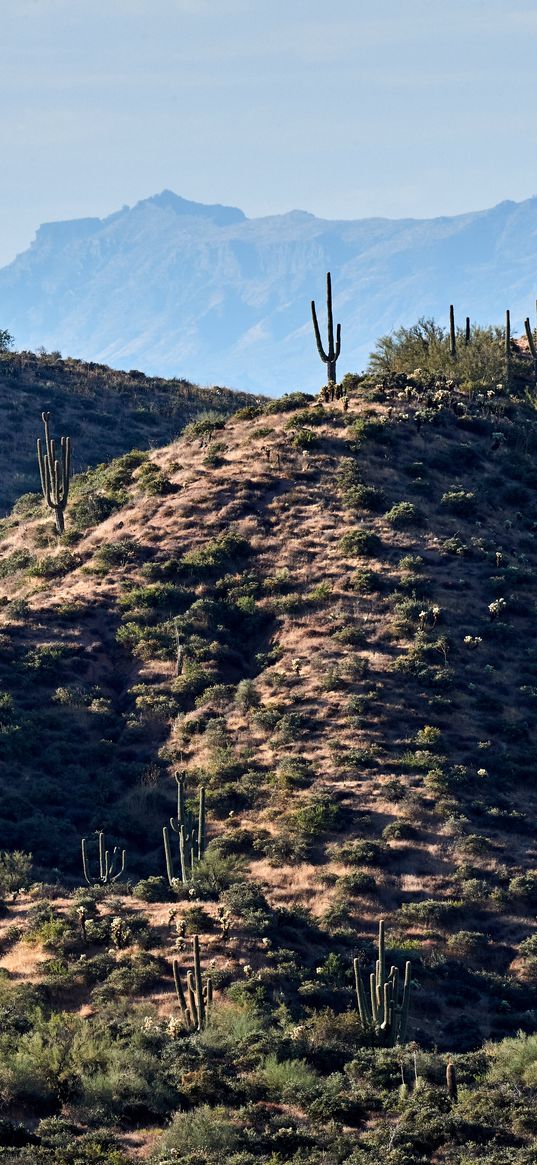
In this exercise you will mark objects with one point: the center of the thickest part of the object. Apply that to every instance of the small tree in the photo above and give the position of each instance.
(6, 340)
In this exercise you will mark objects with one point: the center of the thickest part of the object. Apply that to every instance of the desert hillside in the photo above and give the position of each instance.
(106, 412)
(323, 613)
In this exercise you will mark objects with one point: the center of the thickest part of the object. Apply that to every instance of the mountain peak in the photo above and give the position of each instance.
(168, 200)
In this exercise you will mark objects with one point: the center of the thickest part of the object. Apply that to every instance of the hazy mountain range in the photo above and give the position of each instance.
(177, 288)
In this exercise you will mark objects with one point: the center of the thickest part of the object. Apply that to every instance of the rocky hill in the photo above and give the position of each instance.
(183, 289)
(324, 614)
(105, 412)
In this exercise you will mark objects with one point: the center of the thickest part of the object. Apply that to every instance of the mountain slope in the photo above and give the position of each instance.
(351, 594)
(104, 411)
(184, 289)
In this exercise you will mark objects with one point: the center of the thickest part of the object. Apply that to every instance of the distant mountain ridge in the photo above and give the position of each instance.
(178, 288)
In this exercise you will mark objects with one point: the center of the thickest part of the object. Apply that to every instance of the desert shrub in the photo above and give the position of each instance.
(305, 439)
(459, 501)
(362, 853)
(202, 1131)
(111, 554)
(246, 695)
(514, 1059)
(307, 417)
(524, 886)
(294, 773)
(153, 481)
(365, 582)
(91, 509)
(15, 871)
(204, 425)
(432, 911)
(364, 497)
(314, 818)
(467, 944)
(377, 429)
(248, 413)
(288, 1080)
(215, 873)
(398, 831)
(357, 883)
(13, 563)
(288, 402)
(428, 737)
(402, 515)
(152, 889)
(214, 457)
(221, 552)
(356, 543)
(425, 346)
(54, 565)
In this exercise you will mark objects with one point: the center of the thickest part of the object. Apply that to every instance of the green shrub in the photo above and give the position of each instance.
(364, 497)
(514, 1059)
(54, 565)
(358, 543)
(460, 502)
(314, 817)
(153, 481)
(13, 563)
(403, 515)
(152, 889)
(246, 695)
(288, 402)
(15, 871)
(365, 582)
(305, 439)
(288, 1080)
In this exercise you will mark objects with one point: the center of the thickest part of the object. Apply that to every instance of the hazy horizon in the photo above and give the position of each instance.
(414, 111)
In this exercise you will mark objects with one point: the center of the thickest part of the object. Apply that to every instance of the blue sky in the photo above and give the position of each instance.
(349, 109)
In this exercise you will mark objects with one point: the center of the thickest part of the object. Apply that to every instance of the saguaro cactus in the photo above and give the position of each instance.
(531, 345)
(507, 346)
(191, 834)
(330, 358)
(451, 1082)
(452, 333)
(385, 1015)
(54, 472)
(196, 1003)
(107, 863)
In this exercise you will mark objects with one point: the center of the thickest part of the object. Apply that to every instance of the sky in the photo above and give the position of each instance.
(399, 108)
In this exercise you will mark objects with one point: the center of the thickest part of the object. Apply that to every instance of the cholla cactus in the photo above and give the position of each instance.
(497, 608)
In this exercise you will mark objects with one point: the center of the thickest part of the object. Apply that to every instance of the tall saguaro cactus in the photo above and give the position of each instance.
(531, 345)
(107, 864)
(54, 472)
(385, 1015)
(195, 1004)
(191, 834)
(452, 333)
(508, 346)
(329, 358)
